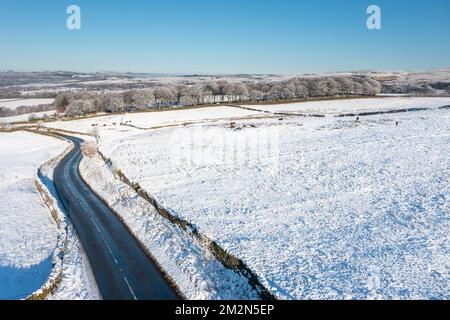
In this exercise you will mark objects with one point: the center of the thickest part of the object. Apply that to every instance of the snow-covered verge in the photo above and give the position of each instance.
(193, 269)
(58, 254)
(335, 107)
(328, 208)
(77, 281)
(28, 234)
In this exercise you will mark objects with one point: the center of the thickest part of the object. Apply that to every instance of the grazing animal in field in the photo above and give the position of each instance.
(357, 119)
(396, 123)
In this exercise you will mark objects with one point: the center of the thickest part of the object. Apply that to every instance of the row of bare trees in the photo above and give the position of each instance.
(165, 96)
(418, 89)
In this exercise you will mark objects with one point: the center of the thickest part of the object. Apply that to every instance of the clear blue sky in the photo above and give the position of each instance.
(232, 36)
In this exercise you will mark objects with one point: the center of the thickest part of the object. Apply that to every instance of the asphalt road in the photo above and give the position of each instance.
(122, 269)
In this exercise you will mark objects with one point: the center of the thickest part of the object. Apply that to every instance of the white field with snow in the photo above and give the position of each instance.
(153, 119)
(195, 271)
(28, 233)
(322, 208)
(14, 103)
(26, 117)
(172, 117)
(333, 107)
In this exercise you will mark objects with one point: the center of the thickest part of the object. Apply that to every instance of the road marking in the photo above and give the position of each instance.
(84, 205)
(129, 287)
(71, 165)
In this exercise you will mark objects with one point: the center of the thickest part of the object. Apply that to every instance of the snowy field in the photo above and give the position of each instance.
(26, 117)
(323, 208)
(153, 119)
(27, 231)
(149, 120)
(194, 270)
(14, 103)
(186, 116)
(334, 107)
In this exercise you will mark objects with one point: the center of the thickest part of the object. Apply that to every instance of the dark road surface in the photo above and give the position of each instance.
(120, 266)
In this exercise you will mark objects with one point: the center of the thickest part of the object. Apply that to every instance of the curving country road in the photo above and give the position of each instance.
(122, 269)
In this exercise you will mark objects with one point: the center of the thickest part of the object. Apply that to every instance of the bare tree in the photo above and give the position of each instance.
(256, 95)
(213, 88)
(6, 112)
(164, 96)
(317, 87)
(301, 88)
(139, 99)
(80, 107)
(240, 91)
(345, 85)
(332, 87)
(61, 102)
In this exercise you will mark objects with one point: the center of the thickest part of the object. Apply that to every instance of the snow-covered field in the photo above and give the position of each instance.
(27, 116)
(324, 208)
(148, 120)
(334, 107)
(186, 116)
(194, 269)
(153, 119)
(27, 231)
(14, 103)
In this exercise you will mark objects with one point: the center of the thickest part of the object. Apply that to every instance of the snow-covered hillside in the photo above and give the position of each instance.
(27, 231)
(328, 208)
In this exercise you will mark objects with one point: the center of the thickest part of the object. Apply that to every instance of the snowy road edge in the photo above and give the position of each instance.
(60, 220)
